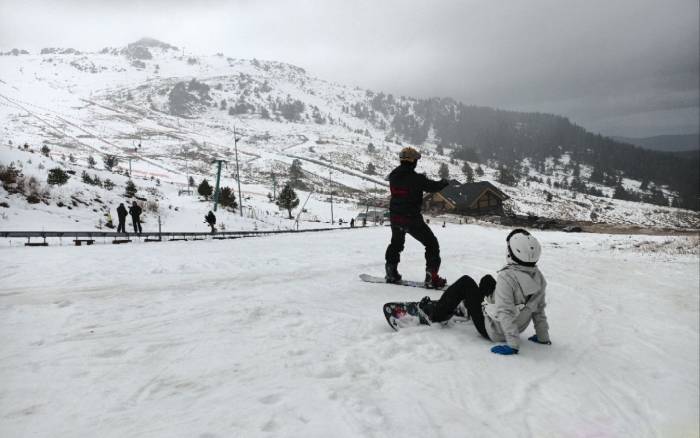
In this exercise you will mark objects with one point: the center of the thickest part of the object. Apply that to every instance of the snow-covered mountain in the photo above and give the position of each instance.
(168, 114)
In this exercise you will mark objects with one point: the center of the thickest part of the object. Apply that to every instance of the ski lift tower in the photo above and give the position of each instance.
(218, 177)
(330, 181)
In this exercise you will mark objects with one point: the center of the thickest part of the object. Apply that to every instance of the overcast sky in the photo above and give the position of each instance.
(620, 67)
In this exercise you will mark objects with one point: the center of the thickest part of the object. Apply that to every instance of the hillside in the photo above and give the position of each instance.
(665, 143)
(167, 115)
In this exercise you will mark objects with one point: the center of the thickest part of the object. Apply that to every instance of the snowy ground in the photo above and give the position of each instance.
(276, 336)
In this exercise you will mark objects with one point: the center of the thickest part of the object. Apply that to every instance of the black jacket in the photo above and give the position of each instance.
(121, 212)
(407, 189)
(135, 211)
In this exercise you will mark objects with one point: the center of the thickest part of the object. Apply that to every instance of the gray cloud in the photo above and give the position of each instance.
(627, 67)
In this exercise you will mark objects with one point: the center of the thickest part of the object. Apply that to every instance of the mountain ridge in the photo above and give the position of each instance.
(172, 107)
(665, 143)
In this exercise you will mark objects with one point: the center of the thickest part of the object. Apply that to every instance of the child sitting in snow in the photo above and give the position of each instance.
(501, 309)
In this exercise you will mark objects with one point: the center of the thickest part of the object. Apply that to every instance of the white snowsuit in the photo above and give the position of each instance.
(519, 297)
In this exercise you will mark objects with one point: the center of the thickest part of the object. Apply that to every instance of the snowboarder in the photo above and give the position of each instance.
(121, 215)
(135, 212)
(501, 309)
(210, 219)
(407, 189)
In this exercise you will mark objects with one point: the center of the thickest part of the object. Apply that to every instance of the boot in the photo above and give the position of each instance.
(433, 280)
(426, 307)
(392, 273)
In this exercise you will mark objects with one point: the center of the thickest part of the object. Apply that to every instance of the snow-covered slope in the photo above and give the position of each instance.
(172, 113)
(276, 336)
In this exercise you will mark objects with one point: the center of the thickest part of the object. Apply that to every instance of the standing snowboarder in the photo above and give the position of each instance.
(121, 215)
(407, 189)
(502, 309)
(135, 212)
(210, 219)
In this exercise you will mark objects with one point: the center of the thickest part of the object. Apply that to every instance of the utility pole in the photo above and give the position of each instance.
(218, 177)
(187, 171)
(238, 175)
(302, 208)
(330, 178)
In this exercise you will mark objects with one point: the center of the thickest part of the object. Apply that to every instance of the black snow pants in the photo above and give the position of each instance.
(465, 289)
(422, 233)
(121, 228)
(137, 224)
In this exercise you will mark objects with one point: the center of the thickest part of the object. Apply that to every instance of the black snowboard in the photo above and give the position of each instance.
(408, 314)
(410, 283)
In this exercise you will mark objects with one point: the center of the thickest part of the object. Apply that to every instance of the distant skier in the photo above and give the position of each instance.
(121, 215)
(135, 212)
(407, 189)
(210, 219)
(501, 310)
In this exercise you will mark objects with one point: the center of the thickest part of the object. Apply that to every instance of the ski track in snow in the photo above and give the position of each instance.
(278, 337)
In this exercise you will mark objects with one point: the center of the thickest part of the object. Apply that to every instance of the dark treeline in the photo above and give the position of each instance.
(509, 136)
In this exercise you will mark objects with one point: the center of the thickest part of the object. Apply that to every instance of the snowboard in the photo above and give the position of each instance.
(410, 283)
(400, 315)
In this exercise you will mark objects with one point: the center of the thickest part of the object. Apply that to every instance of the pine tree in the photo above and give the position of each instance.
(227, 198)
(45, 150)
(296, 174)
(130, 190)
(505, 176)
(85, 177)
(57, 177)
(190, 182)
(91, 162)
(444, 171)
(287, 199)
(205, 189)
(370, 170)
(468, 172)
(110, 161)
(479, 171)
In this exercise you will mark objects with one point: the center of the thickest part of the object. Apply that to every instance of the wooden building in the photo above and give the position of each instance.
(468, 199)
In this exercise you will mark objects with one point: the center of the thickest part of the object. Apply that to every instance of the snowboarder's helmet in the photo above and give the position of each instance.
(409, 154)
(523, 248)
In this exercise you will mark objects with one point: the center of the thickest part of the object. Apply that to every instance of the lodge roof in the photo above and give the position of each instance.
(467, 194)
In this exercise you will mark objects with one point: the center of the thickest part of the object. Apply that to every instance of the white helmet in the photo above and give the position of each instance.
(523, 248)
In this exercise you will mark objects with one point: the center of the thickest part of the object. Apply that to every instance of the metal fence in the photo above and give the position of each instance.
(88, 237)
